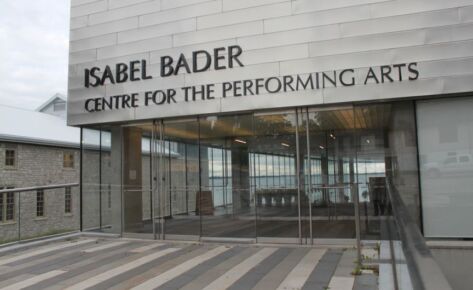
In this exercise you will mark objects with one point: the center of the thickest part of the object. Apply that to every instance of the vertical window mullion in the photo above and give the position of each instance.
(1, 206)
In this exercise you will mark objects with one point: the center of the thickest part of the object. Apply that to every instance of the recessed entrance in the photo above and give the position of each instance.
(288, 176)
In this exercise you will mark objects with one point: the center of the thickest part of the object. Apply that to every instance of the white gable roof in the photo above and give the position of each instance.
(50, 101)
(33, 127)
(24, 126)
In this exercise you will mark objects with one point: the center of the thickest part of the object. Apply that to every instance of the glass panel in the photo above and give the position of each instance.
(178, 159)
(137, 178)
(274, 145)
(227, 204)
(387, 156)
(110, 182)
(329, 159)
(373, 148)
(446, 162)
(91, 180)
(111, 179)
(237, 176)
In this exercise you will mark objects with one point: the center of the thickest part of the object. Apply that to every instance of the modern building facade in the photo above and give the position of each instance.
(272, 120)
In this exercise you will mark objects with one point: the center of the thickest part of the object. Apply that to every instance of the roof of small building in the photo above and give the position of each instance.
(51, 100)
(34, 127)
(26, 126)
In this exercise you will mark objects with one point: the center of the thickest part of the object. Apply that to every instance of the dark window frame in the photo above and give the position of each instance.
(7, 205)
(67, 200)
(68, 159)
(2, 205)
(10, 161)
(40, 203)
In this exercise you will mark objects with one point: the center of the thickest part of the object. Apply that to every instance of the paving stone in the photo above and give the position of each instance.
(316, 286)
(366, 282)
(324, 270)
(214, 272)
(255, 275)
(332, 269)
(279, 272)
(193, 274)
(346, 264)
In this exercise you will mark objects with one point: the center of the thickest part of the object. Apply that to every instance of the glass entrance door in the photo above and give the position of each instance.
(329, 160)
(288, 176)
(274, 175)
(226, 201)
(177, 177)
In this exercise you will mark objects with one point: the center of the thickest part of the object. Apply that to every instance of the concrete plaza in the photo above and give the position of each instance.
(108, 263)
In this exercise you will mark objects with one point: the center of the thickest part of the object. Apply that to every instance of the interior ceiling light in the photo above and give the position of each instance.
(240, 141)
(321, 147)
(285, 144)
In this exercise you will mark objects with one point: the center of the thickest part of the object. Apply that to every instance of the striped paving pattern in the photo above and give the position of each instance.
(91, 263)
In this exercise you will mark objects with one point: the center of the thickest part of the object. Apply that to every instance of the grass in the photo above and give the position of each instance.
(357, 270)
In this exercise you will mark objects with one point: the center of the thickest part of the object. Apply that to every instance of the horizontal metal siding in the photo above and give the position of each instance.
(278, 38)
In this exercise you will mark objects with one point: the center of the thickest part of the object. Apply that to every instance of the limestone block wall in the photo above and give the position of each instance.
(36, 166)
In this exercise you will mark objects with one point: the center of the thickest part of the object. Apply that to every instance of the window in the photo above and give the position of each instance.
(464, 159)
(59, 106)
(10, 157)
(68, 160)
(10, 204)
(7, 205)
(40, 203)
(67, 200)
(450, 160)
(2, 205)
(109, 196)
(449, 215)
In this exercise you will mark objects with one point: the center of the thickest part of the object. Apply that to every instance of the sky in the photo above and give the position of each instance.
(34, 44)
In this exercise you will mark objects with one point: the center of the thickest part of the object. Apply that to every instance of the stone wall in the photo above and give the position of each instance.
(38, 166)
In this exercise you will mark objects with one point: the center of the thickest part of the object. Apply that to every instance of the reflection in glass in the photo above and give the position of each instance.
(91, 215)
(446, 166)
(226, 201)
(178, 170)
(329, 174)
(387, 157)
(274, 153)
(136, 166)
(289, 175)
(101, 179)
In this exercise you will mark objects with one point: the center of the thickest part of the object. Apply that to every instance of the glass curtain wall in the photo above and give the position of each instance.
(386, 160)
(329, 161)
(289, 176)
(101, 183)
(136, 180)
(178, 171)
(225, 196)
(273, 173)
(90, 183)
(446, 162)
